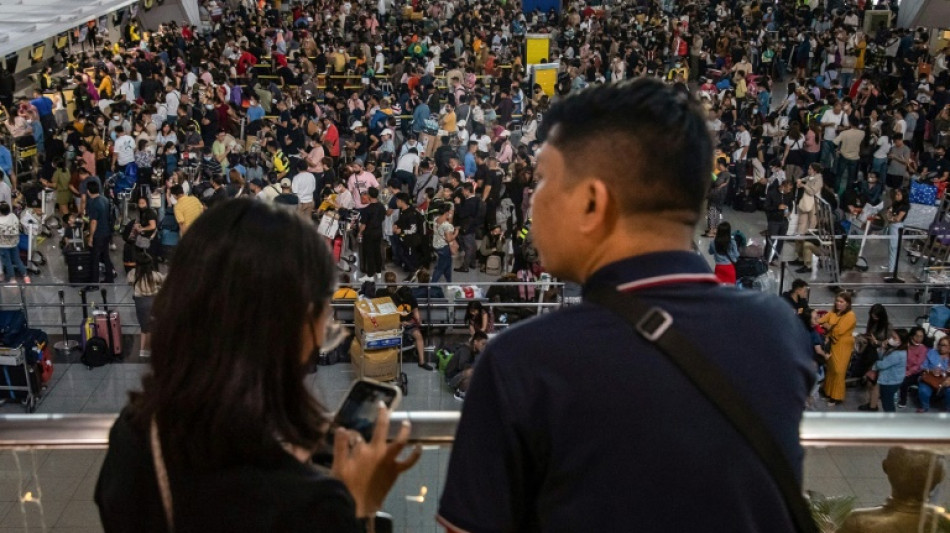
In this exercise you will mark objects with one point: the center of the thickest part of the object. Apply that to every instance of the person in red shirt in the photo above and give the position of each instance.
(331, 137)
(279, 59)
(245, 61)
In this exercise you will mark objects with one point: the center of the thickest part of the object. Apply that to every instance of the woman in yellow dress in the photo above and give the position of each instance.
(839, 325)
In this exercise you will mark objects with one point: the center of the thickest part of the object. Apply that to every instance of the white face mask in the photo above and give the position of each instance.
(894, 342)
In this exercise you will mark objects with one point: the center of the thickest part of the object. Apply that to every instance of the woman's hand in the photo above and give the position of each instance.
(369, 469)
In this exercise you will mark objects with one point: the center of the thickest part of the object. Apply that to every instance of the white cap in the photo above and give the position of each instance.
(504, 133)
(356, 124)
(387, 131)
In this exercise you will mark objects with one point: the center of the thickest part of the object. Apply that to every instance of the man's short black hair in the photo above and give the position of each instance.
(177, 190)
(646, 140)
(93, 187)
(798, 284)
(373, 192)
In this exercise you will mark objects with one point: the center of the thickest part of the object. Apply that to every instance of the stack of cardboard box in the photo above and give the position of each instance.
(376, 346)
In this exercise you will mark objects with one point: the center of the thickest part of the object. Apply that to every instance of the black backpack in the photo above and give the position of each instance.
(97, 353)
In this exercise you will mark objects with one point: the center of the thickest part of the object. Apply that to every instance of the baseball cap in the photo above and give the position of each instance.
(387, 131)
(285, 183)
(356, 124)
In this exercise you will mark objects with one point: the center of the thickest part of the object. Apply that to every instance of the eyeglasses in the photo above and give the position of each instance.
(334, 335)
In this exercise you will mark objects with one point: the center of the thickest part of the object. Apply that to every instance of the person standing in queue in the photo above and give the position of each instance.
(839, 332)
(100, 233)
(220, 438)
(549, 422)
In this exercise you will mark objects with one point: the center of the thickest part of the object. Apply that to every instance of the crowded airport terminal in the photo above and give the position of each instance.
(300, 265)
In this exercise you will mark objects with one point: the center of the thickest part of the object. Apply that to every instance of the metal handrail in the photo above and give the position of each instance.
(69, 431)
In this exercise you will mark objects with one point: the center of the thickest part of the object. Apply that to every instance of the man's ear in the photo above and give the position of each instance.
(600, 208)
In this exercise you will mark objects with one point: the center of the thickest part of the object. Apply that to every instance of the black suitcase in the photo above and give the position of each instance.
(79, 265)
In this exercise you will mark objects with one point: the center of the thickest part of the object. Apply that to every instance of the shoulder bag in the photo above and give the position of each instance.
(656, 326)
(161, 475)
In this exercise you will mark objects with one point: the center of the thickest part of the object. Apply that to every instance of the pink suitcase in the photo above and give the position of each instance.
(103, 326)
(108, 325)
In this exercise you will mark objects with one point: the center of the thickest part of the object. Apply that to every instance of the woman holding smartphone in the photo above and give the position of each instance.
(221, 436)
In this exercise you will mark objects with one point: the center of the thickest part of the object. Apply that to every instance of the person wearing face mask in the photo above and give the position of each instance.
(938, 364)
(123, 151)
(916, 355)
(116, 121)
(889, 370)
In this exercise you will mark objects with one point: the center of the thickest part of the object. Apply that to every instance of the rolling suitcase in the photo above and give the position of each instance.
(108, 325)
(79, 265)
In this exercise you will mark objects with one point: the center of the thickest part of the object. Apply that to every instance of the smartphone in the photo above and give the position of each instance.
(360, 407)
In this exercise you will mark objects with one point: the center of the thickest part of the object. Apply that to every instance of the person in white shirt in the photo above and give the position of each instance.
(126, 88)
(124, 150)
(833, 121)
(744, 138)
(172, 101)
(484, 142)
(304, 185)
(344, 200)
(379, 64)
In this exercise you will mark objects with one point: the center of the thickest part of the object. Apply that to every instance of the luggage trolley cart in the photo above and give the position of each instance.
(18, 378)
(12, 363)
(934, 251)
(337, 227)
(382, 369)
(376, 349)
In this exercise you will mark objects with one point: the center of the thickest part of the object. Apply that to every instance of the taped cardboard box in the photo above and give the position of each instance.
(381, 365)
(377, 314)
(378, 340)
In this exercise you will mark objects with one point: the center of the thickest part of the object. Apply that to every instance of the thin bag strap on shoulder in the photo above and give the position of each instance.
(656, 325)
(161, 474)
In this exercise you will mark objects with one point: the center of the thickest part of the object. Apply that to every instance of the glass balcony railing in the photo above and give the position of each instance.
(49, 465)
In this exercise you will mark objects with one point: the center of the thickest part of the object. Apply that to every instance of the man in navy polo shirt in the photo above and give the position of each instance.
(573, 422)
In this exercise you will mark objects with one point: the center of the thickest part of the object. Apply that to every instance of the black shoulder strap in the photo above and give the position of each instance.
(656, 325)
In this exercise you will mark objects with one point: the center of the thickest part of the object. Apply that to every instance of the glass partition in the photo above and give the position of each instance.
(48, 479)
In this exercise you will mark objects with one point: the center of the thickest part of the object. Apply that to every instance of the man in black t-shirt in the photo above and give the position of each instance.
(492, 188)
(410, 319)
(797, 297)
(371, 236)
(100, 232)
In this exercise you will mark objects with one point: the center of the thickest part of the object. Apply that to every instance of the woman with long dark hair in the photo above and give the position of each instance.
(725, 252)
(890, 372)
(146, 282)
(221, 435)
(839, 332)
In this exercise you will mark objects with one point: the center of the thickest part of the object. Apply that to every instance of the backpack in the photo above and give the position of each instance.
(96, 353)
(493, 265)
(740, 239)
(443, 356)
(368, 289)
(528, 251)
(526, 291)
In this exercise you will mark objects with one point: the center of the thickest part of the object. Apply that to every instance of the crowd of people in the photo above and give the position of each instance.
(888, 361)
(409, 133)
